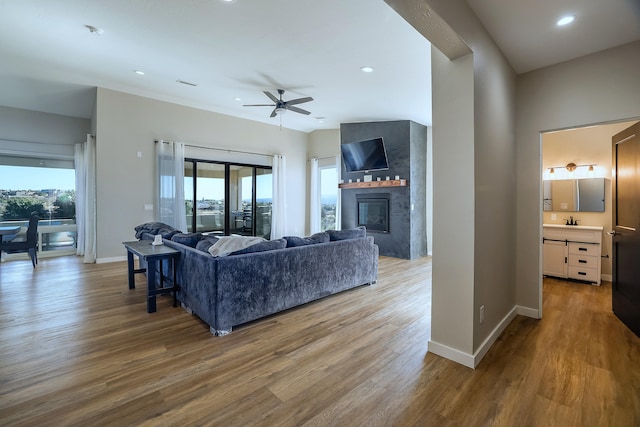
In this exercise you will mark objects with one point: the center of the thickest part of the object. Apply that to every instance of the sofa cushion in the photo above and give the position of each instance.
(206, 242)
(354, 233)
(294, 241)
(189, 239)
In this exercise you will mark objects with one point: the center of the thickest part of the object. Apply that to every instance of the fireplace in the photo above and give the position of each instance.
(373, 212)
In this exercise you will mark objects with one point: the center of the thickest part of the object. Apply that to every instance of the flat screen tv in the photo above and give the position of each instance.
(367, 155)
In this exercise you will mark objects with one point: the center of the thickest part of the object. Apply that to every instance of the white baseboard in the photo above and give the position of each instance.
(493, 336)
(534, 313)
(472, 360)
(606, 277)
(450, 353)
(112, 259)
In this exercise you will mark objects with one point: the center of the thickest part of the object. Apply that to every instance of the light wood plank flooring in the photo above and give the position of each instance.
(77, 348)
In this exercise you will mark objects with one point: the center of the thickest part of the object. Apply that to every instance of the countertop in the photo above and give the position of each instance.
(575, 227)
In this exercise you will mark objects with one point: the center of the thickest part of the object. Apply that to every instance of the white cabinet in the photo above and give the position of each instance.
(572, 251)
(555, 258)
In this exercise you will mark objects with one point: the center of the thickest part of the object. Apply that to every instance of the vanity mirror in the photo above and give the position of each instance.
(574, 195)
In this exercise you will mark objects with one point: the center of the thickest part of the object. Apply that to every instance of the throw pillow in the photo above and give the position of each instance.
(206, 242)
(189, 239)
(355, 233)
(228, 244)
(269, 245)
(294, 241)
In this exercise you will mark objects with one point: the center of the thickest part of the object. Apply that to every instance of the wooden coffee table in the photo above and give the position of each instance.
(152, 255)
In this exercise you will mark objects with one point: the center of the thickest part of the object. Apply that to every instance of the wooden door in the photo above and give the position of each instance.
(626, 227)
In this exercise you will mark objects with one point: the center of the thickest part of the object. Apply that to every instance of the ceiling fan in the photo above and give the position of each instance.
(281, 106)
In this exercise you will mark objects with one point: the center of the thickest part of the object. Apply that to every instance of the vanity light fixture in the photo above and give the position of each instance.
(571, 167)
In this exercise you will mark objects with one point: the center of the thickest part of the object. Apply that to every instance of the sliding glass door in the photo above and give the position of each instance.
(221, 198)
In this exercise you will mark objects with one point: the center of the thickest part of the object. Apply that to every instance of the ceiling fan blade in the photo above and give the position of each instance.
(273, 113)
(299, 100)
(258, 105)
(298, 110)
(271, 97)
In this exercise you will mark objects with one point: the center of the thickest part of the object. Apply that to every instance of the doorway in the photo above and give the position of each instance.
(587, 147)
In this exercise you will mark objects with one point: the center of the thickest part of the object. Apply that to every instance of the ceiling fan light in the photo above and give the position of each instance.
(281, 110)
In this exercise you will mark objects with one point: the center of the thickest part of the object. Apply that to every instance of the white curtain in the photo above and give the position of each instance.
(85, 166)
(314, 197)
(170, 167)
(279, 207)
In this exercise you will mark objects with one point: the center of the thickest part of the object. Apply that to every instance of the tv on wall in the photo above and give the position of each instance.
(367, 155)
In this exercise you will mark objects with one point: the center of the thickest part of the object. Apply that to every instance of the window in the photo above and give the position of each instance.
(227, 198)
(328, 197)
(43, 186)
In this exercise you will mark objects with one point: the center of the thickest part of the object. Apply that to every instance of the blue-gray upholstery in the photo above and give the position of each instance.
(228, 291)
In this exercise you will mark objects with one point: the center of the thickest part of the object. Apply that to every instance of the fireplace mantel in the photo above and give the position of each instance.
(375, 184)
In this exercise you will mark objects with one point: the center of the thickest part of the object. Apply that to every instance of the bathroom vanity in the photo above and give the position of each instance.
(572, 252)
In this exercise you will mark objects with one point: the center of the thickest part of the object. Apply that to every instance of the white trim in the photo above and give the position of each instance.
(472, 360)
(528, 312)
(450, 353)
(493, 336)
(111, 259)
(606, 277)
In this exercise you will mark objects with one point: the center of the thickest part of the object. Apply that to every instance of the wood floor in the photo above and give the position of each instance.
(77, 348)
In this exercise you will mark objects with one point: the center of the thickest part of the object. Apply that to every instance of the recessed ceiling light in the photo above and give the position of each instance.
(236, 98)
(565, 20)
(139, 72)
(95, 30)
(366, 69)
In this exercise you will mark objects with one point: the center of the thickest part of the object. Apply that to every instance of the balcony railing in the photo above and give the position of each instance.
(55, 238)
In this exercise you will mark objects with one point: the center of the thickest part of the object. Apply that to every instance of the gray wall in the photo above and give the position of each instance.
(127, 124)
(598, 88)
(406, 146)
(50, 131)
(474, 216)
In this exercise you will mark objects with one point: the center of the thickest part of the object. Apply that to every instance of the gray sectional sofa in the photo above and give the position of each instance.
(231, 290)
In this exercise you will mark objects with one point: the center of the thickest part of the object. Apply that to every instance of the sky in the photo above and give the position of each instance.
(34, 178)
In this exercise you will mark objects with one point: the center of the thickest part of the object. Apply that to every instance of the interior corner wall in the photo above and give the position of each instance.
(480, 122)
(598, 88)
(453, 205)
(127, 124)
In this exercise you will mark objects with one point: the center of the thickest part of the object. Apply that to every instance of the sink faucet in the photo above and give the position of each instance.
(571, 221)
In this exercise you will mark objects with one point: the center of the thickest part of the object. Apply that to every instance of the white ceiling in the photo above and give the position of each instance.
(49, 61)
(526, 31)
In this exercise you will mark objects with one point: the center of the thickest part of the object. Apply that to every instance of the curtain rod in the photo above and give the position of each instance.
(323, 158)
(41, 143)
(220, 149)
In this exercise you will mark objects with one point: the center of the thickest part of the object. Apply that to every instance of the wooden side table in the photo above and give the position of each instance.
(152, 255)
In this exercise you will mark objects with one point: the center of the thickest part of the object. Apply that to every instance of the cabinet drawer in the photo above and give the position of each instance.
(583, 248)
(583, 261)
(587, 274)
